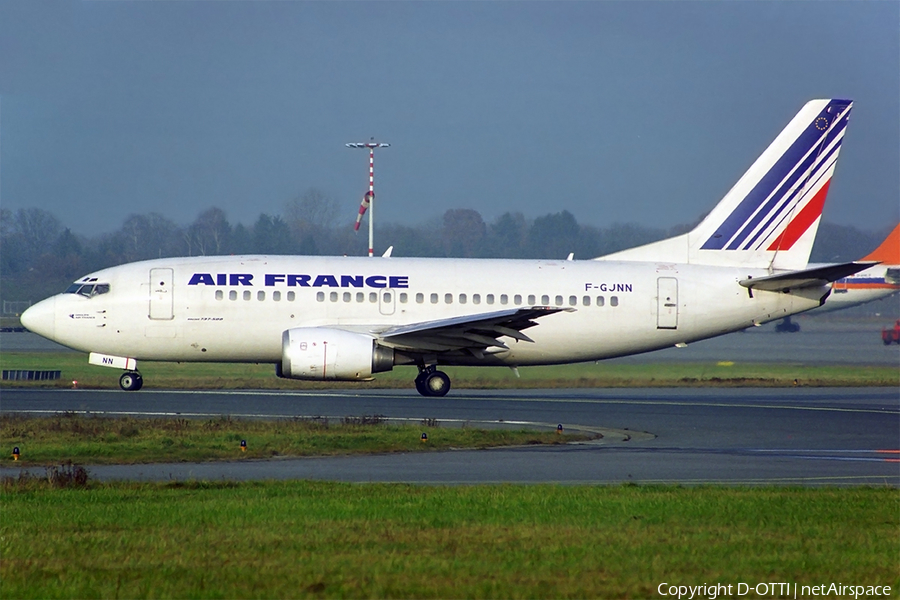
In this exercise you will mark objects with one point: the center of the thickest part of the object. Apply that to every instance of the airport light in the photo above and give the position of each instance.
(369, 199)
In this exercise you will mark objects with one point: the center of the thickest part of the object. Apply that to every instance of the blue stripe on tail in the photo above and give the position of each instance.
(779, 176)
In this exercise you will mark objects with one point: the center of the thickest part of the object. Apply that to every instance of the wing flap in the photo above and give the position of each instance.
(475, 333)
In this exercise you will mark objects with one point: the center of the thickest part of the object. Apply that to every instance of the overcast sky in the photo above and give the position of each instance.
(643, 112)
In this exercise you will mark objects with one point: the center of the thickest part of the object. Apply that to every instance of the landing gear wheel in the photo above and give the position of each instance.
(431, 382)
(131, 381)
(436, 383)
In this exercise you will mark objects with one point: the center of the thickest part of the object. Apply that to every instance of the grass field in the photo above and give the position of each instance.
(74, 367)
(101, 440)
(67, 537)
(335, 540)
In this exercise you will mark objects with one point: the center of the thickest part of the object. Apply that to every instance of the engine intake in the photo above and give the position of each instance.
(323, 353)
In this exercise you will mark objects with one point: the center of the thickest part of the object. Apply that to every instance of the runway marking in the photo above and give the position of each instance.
(626, 401)
(834, 454)
(840, 480)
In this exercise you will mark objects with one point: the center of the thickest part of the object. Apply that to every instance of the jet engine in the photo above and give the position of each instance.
(325, 353)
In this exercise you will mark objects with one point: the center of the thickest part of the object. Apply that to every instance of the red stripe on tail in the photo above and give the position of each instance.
(799, 224)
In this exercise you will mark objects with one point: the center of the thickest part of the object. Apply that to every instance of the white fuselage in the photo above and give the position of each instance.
(874, 283)
(235, 309)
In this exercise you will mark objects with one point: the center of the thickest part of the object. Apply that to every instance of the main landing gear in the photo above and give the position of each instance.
(131, 381)
(431, 382)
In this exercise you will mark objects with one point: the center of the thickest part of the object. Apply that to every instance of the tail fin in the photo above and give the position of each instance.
(889, 250)
(770, 217)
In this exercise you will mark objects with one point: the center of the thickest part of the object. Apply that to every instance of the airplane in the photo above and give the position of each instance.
(348, 318)
(878, 281)
(874, 283)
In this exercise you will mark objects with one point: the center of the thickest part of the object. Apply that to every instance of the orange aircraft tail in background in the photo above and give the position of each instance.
(889, 250)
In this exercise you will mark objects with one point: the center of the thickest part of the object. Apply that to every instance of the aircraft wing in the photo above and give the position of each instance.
(815, 277)
(474, 333)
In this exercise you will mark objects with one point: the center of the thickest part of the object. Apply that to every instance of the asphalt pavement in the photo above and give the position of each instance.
(746, 436)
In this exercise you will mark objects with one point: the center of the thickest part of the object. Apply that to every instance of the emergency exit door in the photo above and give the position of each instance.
(667, 303)
(161, 301)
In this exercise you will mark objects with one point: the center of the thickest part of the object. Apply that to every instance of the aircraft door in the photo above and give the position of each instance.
(667, 303)
(387, 301)
(161, 301)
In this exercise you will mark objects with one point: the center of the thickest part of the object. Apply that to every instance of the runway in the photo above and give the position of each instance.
(806, 436)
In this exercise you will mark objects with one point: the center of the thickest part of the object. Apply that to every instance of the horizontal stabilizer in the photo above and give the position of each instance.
(816, 277)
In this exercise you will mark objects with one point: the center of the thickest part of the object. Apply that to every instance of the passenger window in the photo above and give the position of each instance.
(247, 294)
(573, 300)
(613, 300)
(387, 297)
(219, 295)
(373, 297)
(545, 300)
(276, 296)
(586, 300)
(320, 296)
(476, 298)
(292, 295)
(531, 299)
(462, 298)
(232, 295)
(490, 298)
(517, 299)
(420, 298)
(333, 296)
(260, 295)
(448, 298)
(360, 297)
(434, 298)
(600, 301)
(559, 300)
(504, 299)
(403, 297)
(348, 296)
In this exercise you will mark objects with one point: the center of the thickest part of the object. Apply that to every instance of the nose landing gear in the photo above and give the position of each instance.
(431, 382)
(131, 381)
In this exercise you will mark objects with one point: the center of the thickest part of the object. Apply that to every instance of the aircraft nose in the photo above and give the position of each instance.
(41, 318)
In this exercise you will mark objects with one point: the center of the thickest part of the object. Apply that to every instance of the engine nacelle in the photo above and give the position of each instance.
(325, 353)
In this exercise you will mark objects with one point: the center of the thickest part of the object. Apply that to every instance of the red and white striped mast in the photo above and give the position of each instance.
(369, 199)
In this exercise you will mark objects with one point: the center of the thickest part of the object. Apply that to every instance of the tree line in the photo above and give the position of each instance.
(39, 256)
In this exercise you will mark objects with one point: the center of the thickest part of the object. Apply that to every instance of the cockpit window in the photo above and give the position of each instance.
(88, 290)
